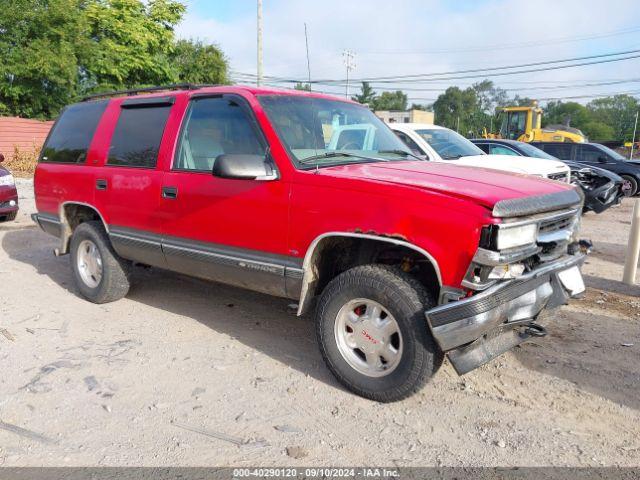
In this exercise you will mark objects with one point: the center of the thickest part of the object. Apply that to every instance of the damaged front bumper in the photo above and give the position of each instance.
(479, 328)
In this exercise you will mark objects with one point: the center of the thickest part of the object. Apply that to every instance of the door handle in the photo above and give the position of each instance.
(101, 184)
(170, 192)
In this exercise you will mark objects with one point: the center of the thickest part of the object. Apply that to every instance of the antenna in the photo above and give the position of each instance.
(306, 40)
(349, 59)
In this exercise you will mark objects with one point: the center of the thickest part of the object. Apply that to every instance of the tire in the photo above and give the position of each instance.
(404, 300)
(634, 185)
(113, 282)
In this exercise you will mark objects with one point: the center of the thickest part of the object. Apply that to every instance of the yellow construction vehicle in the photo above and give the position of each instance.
(525, 124)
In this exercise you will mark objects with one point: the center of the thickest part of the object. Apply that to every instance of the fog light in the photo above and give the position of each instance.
(12, 203)
(506, 271)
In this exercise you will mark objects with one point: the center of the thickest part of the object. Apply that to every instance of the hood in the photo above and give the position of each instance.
(482, 185)
(513, 163)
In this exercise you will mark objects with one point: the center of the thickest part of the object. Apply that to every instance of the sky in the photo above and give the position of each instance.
(414, 37)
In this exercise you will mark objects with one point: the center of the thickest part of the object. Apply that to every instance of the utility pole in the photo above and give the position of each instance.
(633, 138)
(349, 59)
(259, 77)
(633, 248)
(306, 41)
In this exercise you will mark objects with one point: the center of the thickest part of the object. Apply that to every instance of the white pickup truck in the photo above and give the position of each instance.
(440, 144)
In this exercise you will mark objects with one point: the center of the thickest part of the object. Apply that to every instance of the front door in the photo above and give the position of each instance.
(228, 230)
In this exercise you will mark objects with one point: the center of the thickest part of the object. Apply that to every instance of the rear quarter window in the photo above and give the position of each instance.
(71, 135)
(136, 139)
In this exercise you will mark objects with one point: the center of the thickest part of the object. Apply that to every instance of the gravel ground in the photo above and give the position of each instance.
(184, 372)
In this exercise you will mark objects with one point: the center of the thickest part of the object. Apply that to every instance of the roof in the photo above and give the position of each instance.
(197, 89)
(497, 140)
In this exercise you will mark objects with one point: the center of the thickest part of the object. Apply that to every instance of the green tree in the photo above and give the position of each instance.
(196, 62)
(571, 114)
(457, 109)
(366, 96)
(39, 44)
(303, 86)
(421, 106)
(598, 131)
(489, 96)
(618, 112)
(390, 101)
(131, 42)
(55, 51)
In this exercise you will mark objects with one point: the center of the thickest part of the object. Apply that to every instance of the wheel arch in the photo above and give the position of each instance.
(72, 214)
(312, 274)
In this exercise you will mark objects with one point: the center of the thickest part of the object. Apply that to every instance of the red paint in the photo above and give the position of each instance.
(438, 207)
(7, 193)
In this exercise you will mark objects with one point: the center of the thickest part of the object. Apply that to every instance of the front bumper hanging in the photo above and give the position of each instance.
(477, 329)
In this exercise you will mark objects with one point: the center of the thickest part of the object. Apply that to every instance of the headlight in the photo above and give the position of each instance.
(516, 236)
(7, 181)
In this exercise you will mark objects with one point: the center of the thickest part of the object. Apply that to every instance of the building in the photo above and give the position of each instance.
(410, 116)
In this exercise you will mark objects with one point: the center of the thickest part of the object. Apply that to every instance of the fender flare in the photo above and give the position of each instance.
(309, 275)
(65, 227)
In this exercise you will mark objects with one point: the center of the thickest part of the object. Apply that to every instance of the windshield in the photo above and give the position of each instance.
(531, 151)
(322, 132)
(449, 144)
(615, 155)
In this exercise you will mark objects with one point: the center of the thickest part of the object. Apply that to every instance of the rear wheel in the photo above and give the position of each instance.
(99, 273)
(373, 335)
(630, 186)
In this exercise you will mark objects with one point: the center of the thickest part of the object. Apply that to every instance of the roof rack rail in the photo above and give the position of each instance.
(136, 91)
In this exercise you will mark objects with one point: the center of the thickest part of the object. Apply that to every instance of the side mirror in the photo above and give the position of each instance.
(602, 159)
(1, 158)
(242, 166)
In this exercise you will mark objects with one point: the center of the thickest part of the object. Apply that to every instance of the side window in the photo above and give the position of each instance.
(500, 150)
(589, 153)
(136, 139)
(71, 136)
(212, 127)
(409, 143)
(559, 150)
(483, 146)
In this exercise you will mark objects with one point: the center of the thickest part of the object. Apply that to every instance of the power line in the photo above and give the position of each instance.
(482, 72)
(533, 43)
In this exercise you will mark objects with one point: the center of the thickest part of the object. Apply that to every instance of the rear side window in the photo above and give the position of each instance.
(71, 136)
(136, 139)
(559, 150)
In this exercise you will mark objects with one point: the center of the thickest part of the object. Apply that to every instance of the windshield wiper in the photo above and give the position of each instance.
(397, 151)
(452, 157)
(339, 154)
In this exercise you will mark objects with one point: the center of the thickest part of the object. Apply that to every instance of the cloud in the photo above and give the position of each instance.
(375, 28)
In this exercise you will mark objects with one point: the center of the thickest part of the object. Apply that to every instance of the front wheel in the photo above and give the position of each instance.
(373, 335)
(99, 273)
(630, 186)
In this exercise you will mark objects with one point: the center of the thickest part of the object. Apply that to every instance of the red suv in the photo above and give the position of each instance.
(311, 197)
(8, 195)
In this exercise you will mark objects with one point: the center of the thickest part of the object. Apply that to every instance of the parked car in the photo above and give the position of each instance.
(596, 155)
(403, 260)
(8, 195)
(440, 144)
(602, 189)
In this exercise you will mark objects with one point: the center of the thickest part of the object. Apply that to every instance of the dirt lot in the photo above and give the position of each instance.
(184, 372)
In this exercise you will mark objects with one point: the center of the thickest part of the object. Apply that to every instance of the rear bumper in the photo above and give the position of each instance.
(503, 307)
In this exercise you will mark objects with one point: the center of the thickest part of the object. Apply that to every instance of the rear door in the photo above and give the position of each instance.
(128, 186)
(561, 150)
(229, 230)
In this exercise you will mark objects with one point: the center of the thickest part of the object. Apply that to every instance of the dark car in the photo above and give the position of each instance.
(595, 154)
(602, 188)
(8, 195)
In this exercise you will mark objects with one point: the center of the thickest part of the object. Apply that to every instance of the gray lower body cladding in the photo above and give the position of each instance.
(476, 329)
